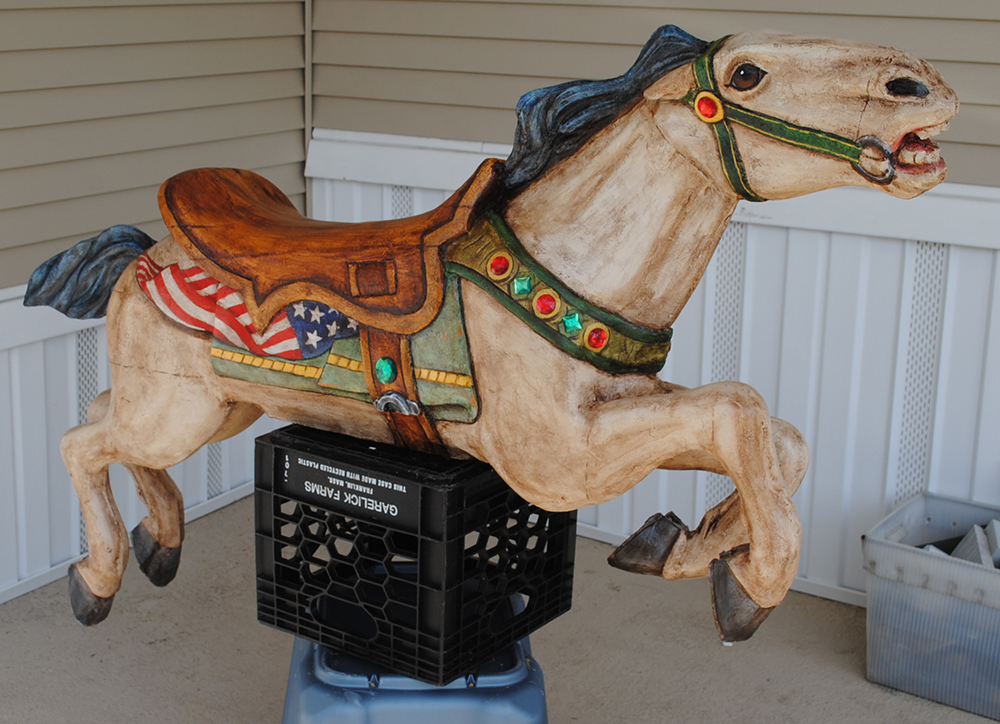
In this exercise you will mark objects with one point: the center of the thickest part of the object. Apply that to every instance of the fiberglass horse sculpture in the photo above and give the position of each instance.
(560, 271)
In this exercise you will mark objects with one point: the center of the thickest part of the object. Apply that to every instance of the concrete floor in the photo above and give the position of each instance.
(633, 649)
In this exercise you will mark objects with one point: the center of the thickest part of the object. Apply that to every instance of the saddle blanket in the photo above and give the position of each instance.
(311, 347)
(191, 297)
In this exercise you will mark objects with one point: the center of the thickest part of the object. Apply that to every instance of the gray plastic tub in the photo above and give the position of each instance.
(933, 620)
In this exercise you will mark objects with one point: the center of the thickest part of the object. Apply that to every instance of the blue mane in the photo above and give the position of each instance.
(554, 122)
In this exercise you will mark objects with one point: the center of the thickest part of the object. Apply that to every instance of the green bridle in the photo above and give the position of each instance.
(711, 108)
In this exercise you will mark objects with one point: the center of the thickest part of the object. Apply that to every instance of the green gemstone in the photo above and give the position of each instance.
(385, 370)
(572, 324)
(520, 286)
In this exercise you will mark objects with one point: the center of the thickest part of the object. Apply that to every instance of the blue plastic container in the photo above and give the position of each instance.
(331, 687)
(933, 620)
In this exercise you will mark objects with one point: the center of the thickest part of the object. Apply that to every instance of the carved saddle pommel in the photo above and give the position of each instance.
(245, 232)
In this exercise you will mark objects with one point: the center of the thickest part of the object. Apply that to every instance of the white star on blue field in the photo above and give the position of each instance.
(317, 326)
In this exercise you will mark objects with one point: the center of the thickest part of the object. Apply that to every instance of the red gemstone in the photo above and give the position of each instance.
(597, 338)
(499, 266)
(545, 304)
(707, 107)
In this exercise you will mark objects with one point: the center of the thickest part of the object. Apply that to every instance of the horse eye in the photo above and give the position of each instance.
(747, 76)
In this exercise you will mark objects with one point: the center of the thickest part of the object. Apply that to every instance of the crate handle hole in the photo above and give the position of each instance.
(348, 618)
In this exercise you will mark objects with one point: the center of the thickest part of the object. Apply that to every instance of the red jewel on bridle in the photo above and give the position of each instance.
(708, 107)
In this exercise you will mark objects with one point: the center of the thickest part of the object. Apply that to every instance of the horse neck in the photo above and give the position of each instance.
(628, 222)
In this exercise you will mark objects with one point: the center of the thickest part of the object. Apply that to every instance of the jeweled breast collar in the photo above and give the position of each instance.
(492, 258)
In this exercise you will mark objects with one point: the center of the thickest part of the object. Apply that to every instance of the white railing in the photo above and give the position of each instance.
(871, 323)
(51, 367)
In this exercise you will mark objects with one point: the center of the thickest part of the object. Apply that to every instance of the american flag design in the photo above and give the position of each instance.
(191, 297)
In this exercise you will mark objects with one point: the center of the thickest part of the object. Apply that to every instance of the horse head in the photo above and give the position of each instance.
(791, 115)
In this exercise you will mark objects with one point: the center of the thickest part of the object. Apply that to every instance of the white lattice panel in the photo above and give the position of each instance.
(725, 285)
(923, 347)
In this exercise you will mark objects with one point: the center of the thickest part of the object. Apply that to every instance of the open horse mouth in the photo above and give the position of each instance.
(915, 153)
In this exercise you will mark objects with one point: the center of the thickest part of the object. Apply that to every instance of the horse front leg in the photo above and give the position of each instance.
(726, 428)
(723, 528)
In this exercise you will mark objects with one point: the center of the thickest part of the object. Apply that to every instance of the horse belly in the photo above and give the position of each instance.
(325, 412)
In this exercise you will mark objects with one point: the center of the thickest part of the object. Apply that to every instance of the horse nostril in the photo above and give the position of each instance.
(907, 87)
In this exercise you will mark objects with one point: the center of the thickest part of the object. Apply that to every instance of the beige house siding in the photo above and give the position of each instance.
(456, 69)
(101, 100)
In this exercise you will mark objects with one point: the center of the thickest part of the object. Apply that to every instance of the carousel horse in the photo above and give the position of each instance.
(522, 323)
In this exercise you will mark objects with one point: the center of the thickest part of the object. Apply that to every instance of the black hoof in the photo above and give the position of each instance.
(646, 550)
(88, 608)
(736, 614)
(158, 562)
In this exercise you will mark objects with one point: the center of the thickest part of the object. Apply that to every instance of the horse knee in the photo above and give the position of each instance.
(98, 409)
(793, 453)
(740, 408)
(82, 450)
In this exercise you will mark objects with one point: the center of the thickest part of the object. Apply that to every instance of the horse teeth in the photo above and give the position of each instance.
(919, 157)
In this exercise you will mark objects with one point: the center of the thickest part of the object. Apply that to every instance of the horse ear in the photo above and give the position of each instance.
(673, 86)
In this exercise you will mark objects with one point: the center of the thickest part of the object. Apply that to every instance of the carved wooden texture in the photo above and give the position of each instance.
(630, 221)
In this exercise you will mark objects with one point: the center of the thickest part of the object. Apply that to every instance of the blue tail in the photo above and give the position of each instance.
(79, 281)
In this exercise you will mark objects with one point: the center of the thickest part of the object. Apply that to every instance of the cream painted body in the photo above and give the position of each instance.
(630, 222)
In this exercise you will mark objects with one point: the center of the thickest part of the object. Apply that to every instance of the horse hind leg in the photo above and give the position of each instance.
(157, 539)
(94, 581)
(147, 433)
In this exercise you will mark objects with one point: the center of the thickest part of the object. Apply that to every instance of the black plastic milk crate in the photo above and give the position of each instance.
(408, 560)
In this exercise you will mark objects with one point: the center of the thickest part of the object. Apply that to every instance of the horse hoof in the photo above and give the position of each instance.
(646, 550)
(736, 614)
(87, 608)
(158, 562)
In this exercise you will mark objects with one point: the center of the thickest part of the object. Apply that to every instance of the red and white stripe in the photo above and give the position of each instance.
(193, 298)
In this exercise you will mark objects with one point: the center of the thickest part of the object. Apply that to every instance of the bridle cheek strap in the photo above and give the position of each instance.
(720, 114)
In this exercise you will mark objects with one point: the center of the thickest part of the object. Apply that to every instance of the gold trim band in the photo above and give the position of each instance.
(438, 376)
(444, 378)
(354, 365)
(266, 363)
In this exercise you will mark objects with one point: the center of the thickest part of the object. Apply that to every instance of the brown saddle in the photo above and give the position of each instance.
(388, 275)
